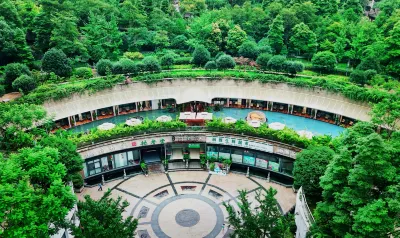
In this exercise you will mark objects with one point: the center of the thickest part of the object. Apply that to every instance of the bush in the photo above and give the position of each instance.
(277, 63)
(362, 77)
(168, 60)
(128, 66)
(179, 42)
(183, 60)
(210, 65)
(2, 90)
(54, 60)
(104, 66)
(262, 60)
(293, 67)
(83, 72)
(117, 68)
(77, 181)
(151, 64)
(24, 83)
(140, 67)
(13, 71)
(324, 61)
(133, 55)
(201, 55)
(249, 49)
(225, 62)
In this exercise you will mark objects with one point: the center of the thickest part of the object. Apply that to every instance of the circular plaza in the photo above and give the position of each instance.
(187, 203)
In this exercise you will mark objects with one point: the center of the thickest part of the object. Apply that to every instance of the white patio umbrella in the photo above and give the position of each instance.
(276, 126)
(133, 122)
(254, 123)
(164, 118)
(106, 126)
(228, 120)
(307, 134)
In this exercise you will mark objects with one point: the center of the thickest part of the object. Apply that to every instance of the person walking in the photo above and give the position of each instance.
(100, 187)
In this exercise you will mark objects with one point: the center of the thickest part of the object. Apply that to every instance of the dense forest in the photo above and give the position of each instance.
(360, 35)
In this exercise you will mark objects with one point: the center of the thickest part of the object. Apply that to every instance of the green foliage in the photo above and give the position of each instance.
(225, 62)
(303, 41)
(212, 166)
(133, 55)
(24, 83)
(293, 67)
(2, 90)
(104, 67)
(210, 65)
(362, 77)
(124, 66)
(387, 112)
(277, 63)
(266, 221)
(324, 61)
(200, 55)
(13, 71)
(275, 34)
(186, 156)
(56, 61)
(309, 166)
(77, 181)
(179, 42)
(83, 72)
(236, 37)
(151, 64)
(168, 60)
(249, 49)
(103, 218)
(263, 59)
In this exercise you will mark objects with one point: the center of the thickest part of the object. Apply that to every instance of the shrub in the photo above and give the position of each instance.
(225, 62)
(83, 72)
(179, 42)
(24, 83)
(277, 63)
(104, 66)
(140, 67)
(324, 61)
(151, 64)
(210, 65)
(362, 77)
(54, 60)
(262, 60)
(13, 71)
(201, 55)
(2, 90)
(117, 68)
(293, 67)
(168, 60)
(249, 49)
(183, 60)
(77, 181)
(128, 66)
(133, 55)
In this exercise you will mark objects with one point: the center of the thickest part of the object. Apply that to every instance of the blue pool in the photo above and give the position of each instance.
(291, 121)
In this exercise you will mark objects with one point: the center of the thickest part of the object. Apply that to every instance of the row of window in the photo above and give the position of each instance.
(251, 157)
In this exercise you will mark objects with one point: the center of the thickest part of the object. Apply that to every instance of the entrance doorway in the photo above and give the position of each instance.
(152, 154)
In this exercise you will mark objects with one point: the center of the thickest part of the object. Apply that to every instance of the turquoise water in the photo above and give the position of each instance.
(291, 121)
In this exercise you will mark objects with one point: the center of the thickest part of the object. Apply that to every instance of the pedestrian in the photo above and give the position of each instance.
(100, 187)
(223, 226)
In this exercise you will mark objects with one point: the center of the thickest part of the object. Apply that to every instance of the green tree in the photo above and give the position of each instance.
(249, 49)
(393, 50)
(104, 67)
(324, 61)
(387, 112)
(236, 37)
(9, 12)
(293, 67)
(266, 221)
(13, 71)
(277, 63)
(275, 34)
(225, 62)
(179, 42)
(151, 64)
(303, 41)
(326, 7)
(103, 218)
(168, 60)
(263, 59)
(200, 55)
(362, 77)
(57, 62)
(102, 38)
(161, 40)
(132, 14)
(24, 83)
(33, 179)
(309, 166)
(210, 65)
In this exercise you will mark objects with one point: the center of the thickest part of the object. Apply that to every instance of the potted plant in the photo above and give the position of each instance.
(77, 181)
(144, 167)
(227, 163)
(203, 160)
(165, 163)
(186, 158)
(212, 167)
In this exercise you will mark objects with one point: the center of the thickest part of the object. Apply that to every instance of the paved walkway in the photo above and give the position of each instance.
(188, 203)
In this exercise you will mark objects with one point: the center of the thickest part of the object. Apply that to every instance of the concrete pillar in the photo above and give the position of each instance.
(267, 105)
(315, 115)
(91, 115)
(80, 116)
(249, 103)
(69, 122)
(228, 101)
(288, 108)
(272, 105)
(292, 109)
(137, 109)
(114, 111)
(304, 110)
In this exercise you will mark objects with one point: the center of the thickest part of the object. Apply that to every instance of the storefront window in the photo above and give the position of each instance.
(249, 157)
(120, 160)
(273, 164)
(237, 156)
(212, 152)
(93, 167)
(224, 153)
(104, 162)
(133, 157)
(262, 160)
(286, 166)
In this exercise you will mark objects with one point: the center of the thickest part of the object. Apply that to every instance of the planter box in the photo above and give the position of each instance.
(78, 190)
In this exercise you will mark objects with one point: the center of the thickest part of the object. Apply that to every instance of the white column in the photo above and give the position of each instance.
(91, 115)
(228, 101)
(114, 110)
(315, 115)
(137, 109)
(272, 105)
(69, 122)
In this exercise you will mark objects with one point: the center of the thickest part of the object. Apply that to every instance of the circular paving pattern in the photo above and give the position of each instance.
(187, 218)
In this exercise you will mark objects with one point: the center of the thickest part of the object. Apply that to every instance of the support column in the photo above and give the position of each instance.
(267, 105)
(91, 114)
(95, 112)
(272, 105)
(114, 111)
(292, 109)
(228, 101)
(315, 115)
(304, 110)
(80, 116)
(249, 103)
(288, 108)
(69, 122)
(137, 109)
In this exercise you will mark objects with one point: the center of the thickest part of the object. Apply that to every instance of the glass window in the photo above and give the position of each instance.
(287, 166)
(85, 171)
(224, 153)
(120, 160)
(273, 164)
(249, 157)
(237, 156)
(262, 160)
(104, 163)
(212, 152)
(93, 167)
(133, 157)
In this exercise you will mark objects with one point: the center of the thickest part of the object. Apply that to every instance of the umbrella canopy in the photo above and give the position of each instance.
(256, 115)
(254, 123)
(133, 122)
(164, 118)
(276, 126)
(307, 134)
(229, 120)
(106, 126)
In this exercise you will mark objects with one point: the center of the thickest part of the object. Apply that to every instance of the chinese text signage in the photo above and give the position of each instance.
(232, 141)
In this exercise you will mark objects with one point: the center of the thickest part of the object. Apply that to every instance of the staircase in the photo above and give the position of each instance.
(155, 168)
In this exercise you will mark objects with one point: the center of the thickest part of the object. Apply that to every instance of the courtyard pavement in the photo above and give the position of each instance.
(187, 203)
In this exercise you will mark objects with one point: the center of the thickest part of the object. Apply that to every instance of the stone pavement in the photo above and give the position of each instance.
(187, 203)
